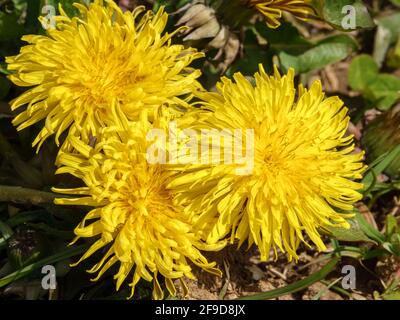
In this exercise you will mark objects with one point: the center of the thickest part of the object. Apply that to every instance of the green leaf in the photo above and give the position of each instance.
(354, 234)
(3, 68)
(302, 55)
(342, 39)
(32, 15)
(368, 229)
(168, 3)
(379, 165)
(29, 216)
(20, 5)
(391, 225)
(391, 248)
(387, 34)
(10, 29)
(391, 23)
(67, 6)
(395, 2)
(67, 253)
(254, 54)
(392, 296)
(363, 70)
(297, 286)
(393, 60)
(26, 171)
(383, 91)
(381, 45)
(6, 232)
(318, 57)
(55, 232)
(37, 8)
(5, 86)
(333, 12)
(286, 38)
(395, 240)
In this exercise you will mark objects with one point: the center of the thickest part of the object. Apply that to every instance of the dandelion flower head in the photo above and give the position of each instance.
(134, 220)
(80, 66)
(304, 172)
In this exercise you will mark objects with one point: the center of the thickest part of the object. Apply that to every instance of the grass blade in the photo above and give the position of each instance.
(297, 286)
(325, 290)
(368, 229)
(378, 166)
(69, 252)
(5, 233)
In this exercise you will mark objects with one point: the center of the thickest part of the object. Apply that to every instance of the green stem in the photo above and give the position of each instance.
(25, 195)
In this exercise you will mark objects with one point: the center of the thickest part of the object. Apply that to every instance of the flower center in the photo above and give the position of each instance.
(145, 194)
(107, 79)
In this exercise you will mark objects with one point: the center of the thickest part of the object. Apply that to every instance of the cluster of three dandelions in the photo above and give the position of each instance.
(184, 145)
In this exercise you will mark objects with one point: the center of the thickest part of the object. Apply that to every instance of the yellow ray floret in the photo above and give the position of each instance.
(303, 166)
(86, 62)
(134, 215)
(273, 9)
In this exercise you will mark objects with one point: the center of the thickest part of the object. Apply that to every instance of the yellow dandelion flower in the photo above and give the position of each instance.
(303, 165)
(86, 62)
(273, 9)
(134, 216)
